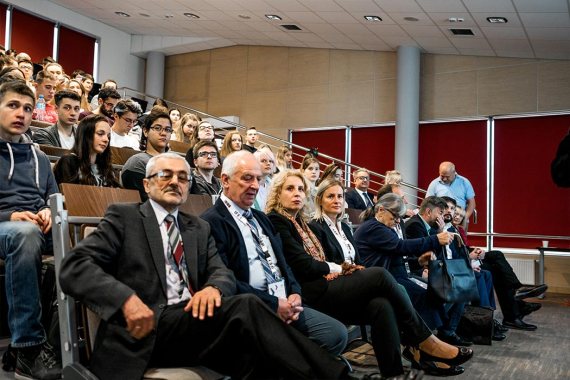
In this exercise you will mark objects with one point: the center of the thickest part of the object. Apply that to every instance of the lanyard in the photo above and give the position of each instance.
(339, 234)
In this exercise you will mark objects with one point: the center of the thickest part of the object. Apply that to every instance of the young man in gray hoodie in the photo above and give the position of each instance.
(26, 182)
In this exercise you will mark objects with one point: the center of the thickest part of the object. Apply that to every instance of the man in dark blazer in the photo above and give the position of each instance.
(235, 241)
(360, 198)
(162, 312)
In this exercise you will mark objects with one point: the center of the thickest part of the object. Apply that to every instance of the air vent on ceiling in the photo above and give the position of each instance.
(291, 27)
(462, 32)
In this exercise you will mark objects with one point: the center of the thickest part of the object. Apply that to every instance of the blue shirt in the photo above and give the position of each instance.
(460, 190)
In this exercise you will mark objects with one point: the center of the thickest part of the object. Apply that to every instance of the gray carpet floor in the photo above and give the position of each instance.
(541, 354)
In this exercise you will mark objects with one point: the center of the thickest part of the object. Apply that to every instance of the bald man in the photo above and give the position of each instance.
(451, 184)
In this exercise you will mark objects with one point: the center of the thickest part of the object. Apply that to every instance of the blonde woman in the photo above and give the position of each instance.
(284, 158)
(232, 143)
(311, 169)
(184, 127)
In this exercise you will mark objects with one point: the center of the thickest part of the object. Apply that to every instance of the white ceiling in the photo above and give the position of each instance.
(535, 28)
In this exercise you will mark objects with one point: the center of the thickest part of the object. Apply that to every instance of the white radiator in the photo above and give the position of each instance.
(525, 270)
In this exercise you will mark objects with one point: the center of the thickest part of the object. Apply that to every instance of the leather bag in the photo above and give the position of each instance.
(452, 280)
(477, 324)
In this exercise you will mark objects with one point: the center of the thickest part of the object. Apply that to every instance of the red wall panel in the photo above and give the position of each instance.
(2, 24)
(526, 199)
(32, 35)
(464, 144)
(373, 148)
(331, 142)
(75, 51)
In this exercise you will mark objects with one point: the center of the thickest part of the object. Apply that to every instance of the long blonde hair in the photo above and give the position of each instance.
(227, 144)
(326, 184)
(273, 199)
(179, 126)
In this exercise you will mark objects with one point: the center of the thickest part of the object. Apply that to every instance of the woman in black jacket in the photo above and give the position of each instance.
(349, 292)
(89, 162)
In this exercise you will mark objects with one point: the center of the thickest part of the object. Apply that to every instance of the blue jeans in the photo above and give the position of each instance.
(322, 329)
(21, 245)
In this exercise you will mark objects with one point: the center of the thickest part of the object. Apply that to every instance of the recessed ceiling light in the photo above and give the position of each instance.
(497, 20)
(273, 17)
(372, 18)
(456, 19)
(168, 16)
(122, 14)
(412, 19)
(144, 14)
(245, 17)
(191, 15)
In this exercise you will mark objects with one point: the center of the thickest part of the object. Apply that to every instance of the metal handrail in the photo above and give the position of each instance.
(520, 236)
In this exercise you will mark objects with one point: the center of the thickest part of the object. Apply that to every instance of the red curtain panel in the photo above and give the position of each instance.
(75, 51)
(32, 35)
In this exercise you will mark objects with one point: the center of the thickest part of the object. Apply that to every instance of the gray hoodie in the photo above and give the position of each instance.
(26, 178)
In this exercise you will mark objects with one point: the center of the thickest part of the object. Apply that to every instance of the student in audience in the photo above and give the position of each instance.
(360, 198)
(251, 138)
(203, 132)
(184, 128)
(27, 68)
(268, 276)
(154, 141)
(88, 82)
(46, 85)
(107, 100)
(165, 309)
(233, 142)
(206, 161)
(331, 171)
(56, 70)
(266, 162)
(174, 114)
(348, 291)
(125, 114)
(76, 86)
(62, 133)
(89, 162)
(25, 231)
(311, 169)
(109, 83)
(284, 158)
(11, 73)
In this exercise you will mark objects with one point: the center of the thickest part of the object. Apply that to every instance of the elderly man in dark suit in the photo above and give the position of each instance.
(153, 275)
(254, 251)
(359, 198)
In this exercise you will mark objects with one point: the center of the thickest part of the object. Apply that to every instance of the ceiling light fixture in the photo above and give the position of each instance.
(168, 16)
(273, 17)
(497, 20)
(122, 14)
(245, 17)
(372, 18)
(456, 19)
(191, 15)
(411, 19)
(144, 14)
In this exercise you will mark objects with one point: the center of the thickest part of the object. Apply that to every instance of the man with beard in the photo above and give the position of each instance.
(206, 161)
(108, 99)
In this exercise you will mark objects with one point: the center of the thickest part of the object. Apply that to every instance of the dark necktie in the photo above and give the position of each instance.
(368, 201)
(177, 251)
(259, 250)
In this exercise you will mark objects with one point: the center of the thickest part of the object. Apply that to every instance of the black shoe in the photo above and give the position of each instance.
(431, 368)
(530, 291)
(498, 336)
(528, 307)
(38, 363)
(518, 324)
(499, 327)
(455, 339)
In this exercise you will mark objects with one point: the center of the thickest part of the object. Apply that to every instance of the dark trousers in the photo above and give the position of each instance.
(244, 339)
(505, 282)
(432, 313)
(373, 297)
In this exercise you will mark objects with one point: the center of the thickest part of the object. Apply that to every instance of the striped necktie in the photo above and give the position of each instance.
(270, 277)
(177, 251)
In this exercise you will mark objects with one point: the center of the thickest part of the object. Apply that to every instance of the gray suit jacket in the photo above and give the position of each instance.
(125, 256)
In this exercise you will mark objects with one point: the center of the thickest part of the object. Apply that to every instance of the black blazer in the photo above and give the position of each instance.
(125, 256)
(415, 228)
(331, 246)
(354, 200)
(308, 271)
(233, 252)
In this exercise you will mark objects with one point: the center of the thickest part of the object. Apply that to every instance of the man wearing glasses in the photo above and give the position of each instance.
(206, 161)
(126, 113)
(108, 99)
(165, 297)
(359, 198)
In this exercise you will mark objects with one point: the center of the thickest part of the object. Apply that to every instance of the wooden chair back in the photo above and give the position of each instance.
(121, 155)
(84, 200)
(196, 204)
(53, 150)
(178, 146)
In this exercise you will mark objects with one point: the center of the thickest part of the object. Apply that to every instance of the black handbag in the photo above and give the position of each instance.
(477, 324)
(452, 280)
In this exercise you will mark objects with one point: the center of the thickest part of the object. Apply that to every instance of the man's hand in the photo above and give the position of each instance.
(296, 306)
(444, 238)
(440, 223)
(204, 302)
(25, 216)
(45, 217)
(140, 319)
(480, 253)
(284, 310)
(425, 258)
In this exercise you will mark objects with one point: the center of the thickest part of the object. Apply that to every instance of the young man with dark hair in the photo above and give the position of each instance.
(125, 117)
(46, 85)
(25, 231)
(62, 133)
(107, 100)
(109, 83)
(206, 160)
(250, 140)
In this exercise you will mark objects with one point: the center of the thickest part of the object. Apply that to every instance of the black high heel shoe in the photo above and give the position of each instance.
(462, 356)
(431, 367)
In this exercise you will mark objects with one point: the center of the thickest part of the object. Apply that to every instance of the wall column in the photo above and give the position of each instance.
(408, 114)
(154, 84)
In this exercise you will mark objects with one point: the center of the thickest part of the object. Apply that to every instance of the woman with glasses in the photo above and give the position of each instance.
(125, 114)
(338, 286)
(156, 133)
(89, 162)
(232, 143)
(204, 132)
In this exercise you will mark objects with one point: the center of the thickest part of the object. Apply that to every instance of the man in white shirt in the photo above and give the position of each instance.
(126, 113)
(62, 133)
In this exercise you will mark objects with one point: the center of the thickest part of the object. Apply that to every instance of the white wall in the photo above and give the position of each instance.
(115, 60)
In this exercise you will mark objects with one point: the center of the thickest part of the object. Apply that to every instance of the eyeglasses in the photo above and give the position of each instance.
(160, 129)
(396, 216)
(129, 121)
(204, 127)
(167, 175)
(363, 178)
(208, 154)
